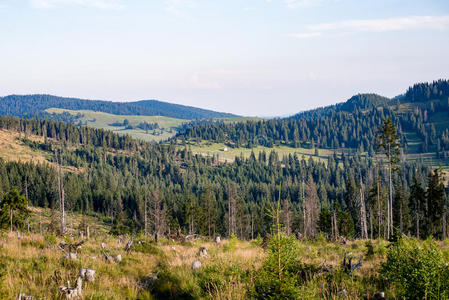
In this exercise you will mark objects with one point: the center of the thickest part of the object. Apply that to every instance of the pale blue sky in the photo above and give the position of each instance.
(250, 57)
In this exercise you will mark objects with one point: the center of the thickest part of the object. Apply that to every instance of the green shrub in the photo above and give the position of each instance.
(257, 241)
(147, 248)
(279, 276)
(417, 271)
(381, 249)
(230, 246)
(174, 284)
(369, 250)
(50, 239)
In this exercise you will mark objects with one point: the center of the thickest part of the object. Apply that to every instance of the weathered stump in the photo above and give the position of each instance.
(87, 274)
(72, 293)
(196, 265)
(202, 252)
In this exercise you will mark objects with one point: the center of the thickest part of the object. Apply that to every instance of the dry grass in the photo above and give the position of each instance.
(34, 265)
(13, 149)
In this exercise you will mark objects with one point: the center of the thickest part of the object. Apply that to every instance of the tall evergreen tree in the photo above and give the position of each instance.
(388, 144)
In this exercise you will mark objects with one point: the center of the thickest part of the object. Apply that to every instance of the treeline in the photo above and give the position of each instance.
(175, 189)
(67, 133)
(18, 105)
(437, 90)
(352, 124)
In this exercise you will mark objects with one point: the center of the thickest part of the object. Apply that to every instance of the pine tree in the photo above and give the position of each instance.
(435, 198)
(417, 201)
(13, 210)
(388, 144)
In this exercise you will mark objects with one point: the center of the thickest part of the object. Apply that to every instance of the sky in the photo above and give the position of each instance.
(248, 57)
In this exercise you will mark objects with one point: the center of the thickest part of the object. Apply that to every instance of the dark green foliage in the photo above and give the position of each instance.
(427, 91)
(417, 202)
(270, 282)
(171, 285)
(369, 249)
(15, 105)
(345, 223)
(388, 141)
(144, 246)
(417, 272)
(435, 201)
(351, 124)
(13, 210)
(116, 173)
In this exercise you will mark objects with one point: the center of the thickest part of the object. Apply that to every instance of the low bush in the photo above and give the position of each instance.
(279, 277)
(417, 271)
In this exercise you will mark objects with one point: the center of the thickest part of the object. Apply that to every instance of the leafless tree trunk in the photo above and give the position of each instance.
(61, 194)
(390, 200)
(312, 208)
(232, 194)
(363, 225)
(157, 214)
(26, 196)
(252, 224)
(304, 208)
(10, 220)
(335, 233)
(287, 216)
(145, 216)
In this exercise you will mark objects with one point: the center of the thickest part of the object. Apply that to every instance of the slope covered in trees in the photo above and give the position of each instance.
(421, 116)
(17, 105)
(121, 178)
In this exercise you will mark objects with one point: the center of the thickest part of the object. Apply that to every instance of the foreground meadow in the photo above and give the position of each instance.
(35, 264)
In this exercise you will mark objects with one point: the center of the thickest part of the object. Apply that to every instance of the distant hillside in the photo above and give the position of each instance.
(23, 105)
(421, 116)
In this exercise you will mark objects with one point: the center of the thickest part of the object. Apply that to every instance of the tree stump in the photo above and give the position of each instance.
(72, 293)
(203, 252)
(129, 244)
(87, 274)
(196, 265)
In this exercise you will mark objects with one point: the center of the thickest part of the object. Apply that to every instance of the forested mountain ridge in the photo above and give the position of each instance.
(421, 115)
(116, 175)
(25, 105)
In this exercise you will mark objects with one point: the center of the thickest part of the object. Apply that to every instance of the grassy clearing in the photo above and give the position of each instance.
(103, 120)
(12, 148)
(210, 149)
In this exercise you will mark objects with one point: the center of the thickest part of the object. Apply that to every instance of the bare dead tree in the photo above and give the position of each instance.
(61, 193)
(287, 216)
(145, 212)
(304, 208)
(312, 208)
(335, 233)
(158, 214)
(232, 203)
(363, 225)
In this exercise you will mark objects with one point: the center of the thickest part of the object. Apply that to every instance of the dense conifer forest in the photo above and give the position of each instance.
(422, 113)
(18, 105)
(118, 177)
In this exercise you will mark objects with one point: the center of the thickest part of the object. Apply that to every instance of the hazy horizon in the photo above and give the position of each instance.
(257, 58)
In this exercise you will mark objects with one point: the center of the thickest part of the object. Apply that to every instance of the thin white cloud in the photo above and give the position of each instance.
(301, 3)
(197, 81)
(178, 7)
(102, 4)
(304, 35)
(376, 25)
(390, 24)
